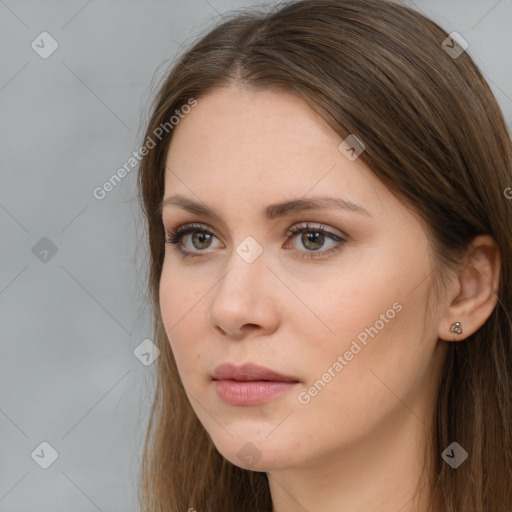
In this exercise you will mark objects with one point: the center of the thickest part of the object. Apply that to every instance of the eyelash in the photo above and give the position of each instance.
(175, 238)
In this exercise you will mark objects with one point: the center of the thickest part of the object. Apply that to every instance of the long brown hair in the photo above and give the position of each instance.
(435, 135)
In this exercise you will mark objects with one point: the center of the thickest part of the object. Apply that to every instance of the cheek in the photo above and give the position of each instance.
(181, 297)
(373, 320)
(183, 315)
(381, 380)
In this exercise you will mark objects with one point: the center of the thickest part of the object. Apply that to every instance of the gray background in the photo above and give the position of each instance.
(72, 320)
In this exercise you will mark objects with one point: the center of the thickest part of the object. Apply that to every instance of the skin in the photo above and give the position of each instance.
(358, 444)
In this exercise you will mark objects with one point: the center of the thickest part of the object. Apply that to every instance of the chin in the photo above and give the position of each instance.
(257, 455)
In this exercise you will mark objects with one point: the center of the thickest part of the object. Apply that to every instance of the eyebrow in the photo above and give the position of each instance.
(272, 211)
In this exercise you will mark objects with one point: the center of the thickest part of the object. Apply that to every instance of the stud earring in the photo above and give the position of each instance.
(456, 328)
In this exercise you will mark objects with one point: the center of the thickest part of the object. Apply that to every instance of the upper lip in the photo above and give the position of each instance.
(248, 372)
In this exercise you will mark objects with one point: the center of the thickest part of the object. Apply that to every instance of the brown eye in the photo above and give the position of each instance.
(201, 240)
(313, 240)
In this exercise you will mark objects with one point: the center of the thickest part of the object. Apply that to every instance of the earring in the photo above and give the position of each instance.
(456, 328)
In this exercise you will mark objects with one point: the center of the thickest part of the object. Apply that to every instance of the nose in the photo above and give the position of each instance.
(246, 298)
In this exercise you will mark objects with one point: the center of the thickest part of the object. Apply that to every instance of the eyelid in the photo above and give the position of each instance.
(309, 225)
(177, 234)
(297, 225)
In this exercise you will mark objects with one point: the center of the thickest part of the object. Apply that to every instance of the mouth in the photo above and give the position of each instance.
(251, 392)
(249, 372)
(256, 380)
(250, 384)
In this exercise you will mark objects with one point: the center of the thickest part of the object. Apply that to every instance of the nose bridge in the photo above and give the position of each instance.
(246, 266)
(243, 295)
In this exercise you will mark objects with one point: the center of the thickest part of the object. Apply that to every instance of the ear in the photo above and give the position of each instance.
(473, 295)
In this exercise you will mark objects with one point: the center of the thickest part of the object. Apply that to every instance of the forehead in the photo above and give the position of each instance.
(238, 124)
(252, 135)
(239, 150)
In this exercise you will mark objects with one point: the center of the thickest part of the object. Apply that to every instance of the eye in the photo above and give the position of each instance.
(313, 239)
(201, 238)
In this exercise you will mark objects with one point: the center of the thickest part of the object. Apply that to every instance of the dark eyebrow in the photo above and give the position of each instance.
(273, 211)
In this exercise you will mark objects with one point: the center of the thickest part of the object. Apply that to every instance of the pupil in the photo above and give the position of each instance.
(201, 236)
(313, 237)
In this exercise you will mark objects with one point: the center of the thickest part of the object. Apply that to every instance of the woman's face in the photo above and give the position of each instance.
(342, 313)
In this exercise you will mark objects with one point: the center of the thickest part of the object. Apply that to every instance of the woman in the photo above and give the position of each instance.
(332, 305)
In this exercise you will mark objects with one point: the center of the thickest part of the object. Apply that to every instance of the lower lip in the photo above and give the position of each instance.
(251, 392)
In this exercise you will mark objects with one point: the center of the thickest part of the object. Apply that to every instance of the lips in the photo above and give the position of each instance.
(249, 372)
